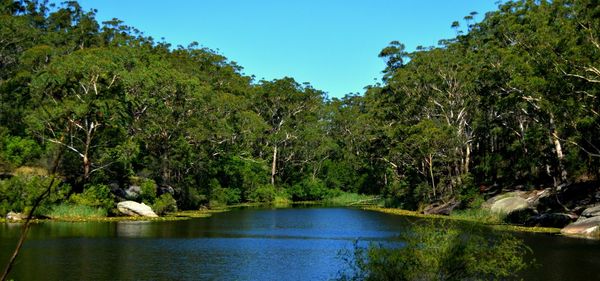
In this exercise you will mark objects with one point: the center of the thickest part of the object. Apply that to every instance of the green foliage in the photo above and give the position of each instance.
(17, 151)
(311, 189)
(494, 105)
(19, 193)
(440, 252)
(350, 199)
(147, 191)
(164, 204)
(95, 196)
(223, 196)
(263, 194)
(477, 214)
(70, 211)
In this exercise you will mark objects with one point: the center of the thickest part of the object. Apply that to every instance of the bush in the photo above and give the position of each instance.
(347, 199)
(431, 253)
(265, 193)
(16, 151)
(76, 211)
(147, 191)
(95, 196)
(223, 196)
(164, 204)
(310, 189)
(20, 192)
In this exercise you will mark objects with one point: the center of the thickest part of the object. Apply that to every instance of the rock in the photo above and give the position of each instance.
(551, 220)
(516, 209)
(441, 209)
(591, 212)
(133, 192)
(535, 197)
(589, 228)
(12, 216)
(509, 205)
(165, 189)
(132, 208)
(490, 202)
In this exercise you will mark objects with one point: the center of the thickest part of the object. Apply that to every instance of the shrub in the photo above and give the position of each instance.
(20, 192)
(164, 204)
(431, 253)
(147, 191)
(264, 193)
(310, 189)
(17, 151)
(95, 196)
(66, 210)
(223, 196)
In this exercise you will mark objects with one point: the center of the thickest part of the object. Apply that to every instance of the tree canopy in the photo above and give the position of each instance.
(511, 101)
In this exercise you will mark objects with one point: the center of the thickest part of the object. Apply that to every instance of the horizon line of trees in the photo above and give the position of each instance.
(511, 102)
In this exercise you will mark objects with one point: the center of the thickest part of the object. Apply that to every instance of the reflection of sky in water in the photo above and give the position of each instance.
(249, 244)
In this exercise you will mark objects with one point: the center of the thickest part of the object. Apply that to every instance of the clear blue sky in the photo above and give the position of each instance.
(332, 44)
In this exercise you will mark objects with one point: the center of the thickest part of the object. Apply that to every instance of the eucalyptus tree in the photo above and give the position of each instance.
(78, 98)
(287, 107)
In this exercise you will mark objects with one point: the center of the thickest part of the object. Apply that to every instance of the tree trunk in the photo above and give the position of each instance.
(431, 174)
(467, 158)
(559, 154)
(86, 168)
(274, 165)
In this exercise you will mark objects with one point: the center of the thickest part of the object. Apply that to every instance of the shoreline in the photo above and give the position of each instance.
(495, 226)
(192, 214)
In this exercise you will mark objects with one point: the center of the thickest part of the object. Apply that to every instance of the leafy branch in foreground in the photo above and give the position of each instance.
(27, 223)
(440, 251)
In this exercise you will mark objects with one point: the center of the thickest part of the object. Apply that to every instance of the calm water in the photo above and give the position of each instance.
(244, 244)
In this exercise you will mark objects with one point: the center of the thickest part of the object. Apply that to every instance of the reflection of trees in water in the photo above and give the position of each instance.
(134, 229)
(440, 251)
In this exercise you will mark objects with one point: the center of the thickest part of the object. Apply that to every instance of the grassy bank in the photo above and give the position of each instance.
(472, 216)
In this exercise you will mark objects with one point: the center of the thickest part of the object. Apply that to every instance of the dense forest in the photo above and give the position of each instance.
(511, 101)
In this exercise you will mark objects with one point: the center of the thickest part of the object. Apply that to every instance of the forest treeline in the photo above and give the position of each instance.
(512, 100)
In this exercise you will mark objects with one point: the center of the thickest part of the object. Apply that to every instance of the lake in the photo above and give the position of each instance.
(243, 244)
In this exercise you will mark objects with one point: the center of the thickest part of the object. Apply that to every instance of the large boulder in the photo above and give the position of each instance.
(509, 205)
(14, 217)
(591, 212)
(135, 209)
(587, 227)
(515, 209)
(490, 202)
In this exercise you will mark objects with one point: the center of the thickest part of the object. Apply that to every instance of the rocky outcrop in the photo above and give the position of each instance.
(591, 212)
(15, 217)
(588, 224)
(135, 209)
(133, 192)
(441, 208)
(509, 205)
(584, 227)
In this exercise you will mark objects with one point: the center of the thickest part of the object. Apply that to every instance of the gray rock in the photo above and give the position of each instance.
(441, 209)
(490, 202)
(133, 192)
(13, 216)
(591, 212)
(134, 209)
(509, 205)
(589, 228)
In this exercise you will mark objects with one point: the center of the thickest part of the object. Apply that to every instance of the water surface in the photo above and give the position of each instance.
(243, 244)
